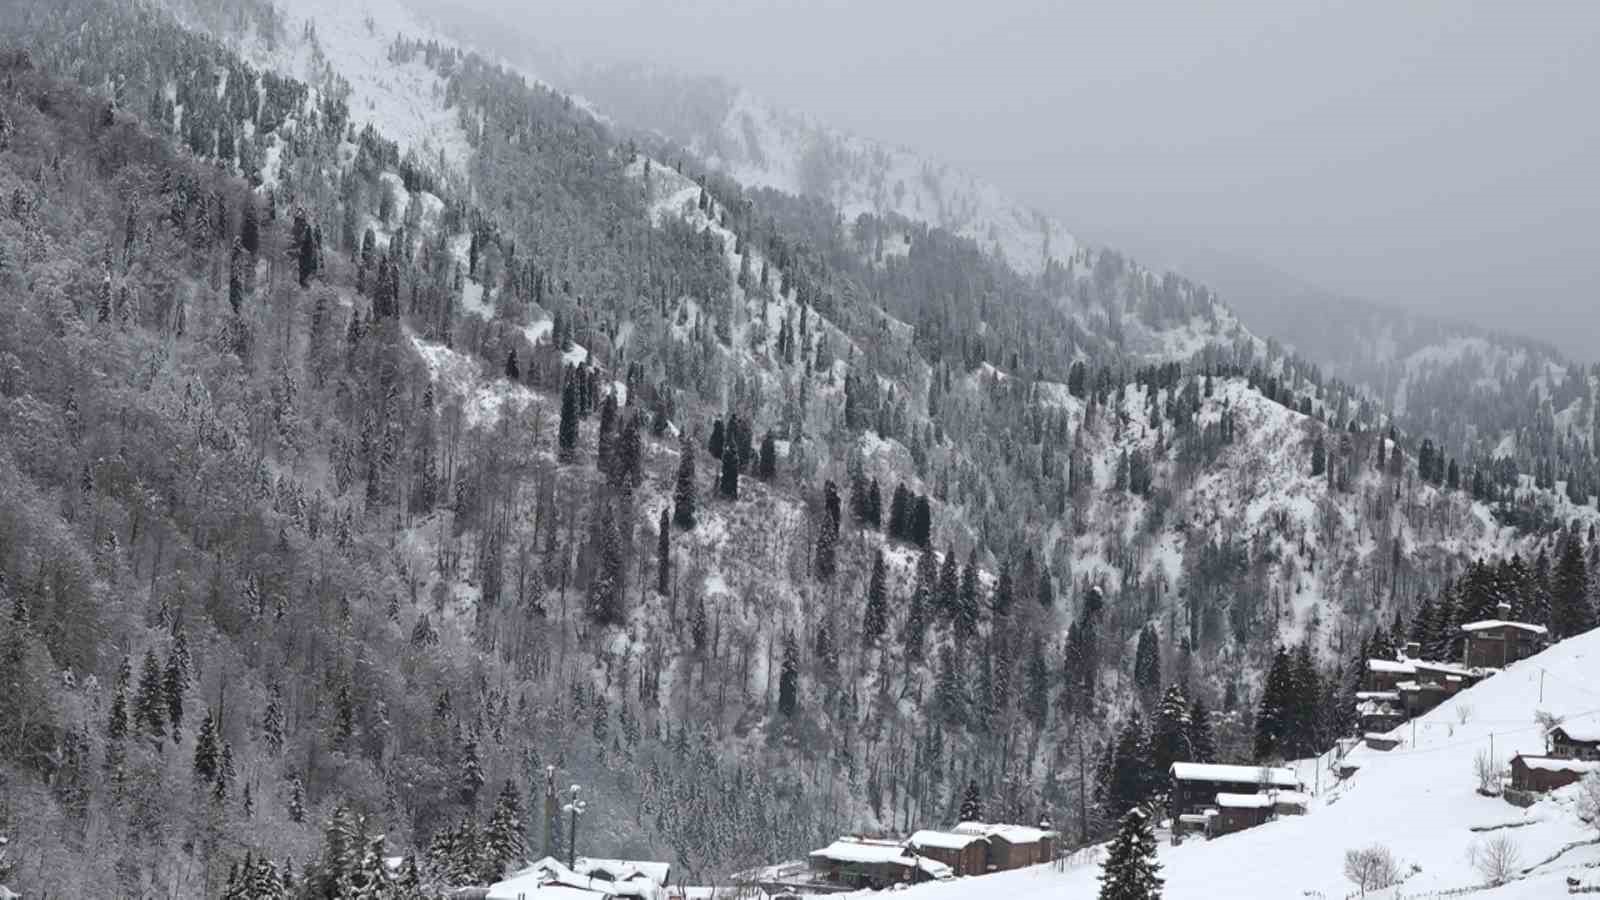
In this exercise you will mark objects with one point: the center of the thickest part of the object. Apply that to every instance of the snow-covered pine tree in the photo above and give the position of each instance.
(789, 677)
(683, 496)
(971, 803)
(1170, 732)
(504, 842)
(1130, 871)
(205, 750)
(876, 618)
(148, 702)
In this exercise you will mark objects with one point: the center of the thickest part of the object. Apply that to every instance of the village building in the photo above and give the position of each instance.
(549, 879)
(1195, 786)
(1379, 710)
(1236, 812)
(867, 863)
(1013, 846)
(1574, 741)
(1499, 642)
(1548, 773)
(624, 871)
(965, 854)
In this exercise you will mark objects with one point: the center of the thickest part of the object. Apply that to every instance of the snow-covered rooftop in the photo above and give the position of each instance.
(1268, 775)
(1015, 834)
(858, 850)
(624, 869)
(1389, 696)
(1487, 624)
(945, 840)
(1245, 801)
(1391, 665)
(1557, 764)
(1583, 732)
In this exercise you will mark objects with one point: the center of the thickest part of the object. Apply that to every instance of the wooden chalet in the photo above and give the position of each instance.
(1497, 643)
(1574, 741)
(1013, 846)
(966, 854)
(1547, 773)
(866, 863)
(1236, 812)
(1195, 786)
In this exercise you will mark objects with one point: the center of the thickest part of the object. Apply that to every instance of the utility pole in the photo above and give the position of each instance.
(551, 810)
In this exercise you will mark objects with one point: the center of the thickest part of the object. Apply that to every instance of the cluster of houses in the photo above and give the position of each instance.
(586, 879)
(1397, 690)
(1213, 800)
(971, 848)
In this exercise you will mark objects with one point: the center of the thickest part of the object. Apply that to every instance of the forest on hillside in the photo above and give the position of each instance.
(342, 493)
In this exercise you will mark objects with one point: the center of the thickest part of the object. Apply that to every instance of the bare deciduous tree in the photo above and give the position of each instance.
(1371, 868)
(1589, 799)
(1496, 859)
(1488, 772)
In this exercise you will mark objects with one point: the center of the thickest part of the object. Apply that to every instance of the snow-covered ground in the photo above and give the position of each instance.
(1419, 800)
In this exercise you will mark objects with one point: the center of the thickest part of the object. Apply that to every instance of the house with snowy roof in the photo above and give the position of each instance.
(624, 871)
(867, 863)
(1013, 846)
(1548, 773)
(550, 879)
(1574, 740)
(965, 854)
(1196, 787)
(1499, 642)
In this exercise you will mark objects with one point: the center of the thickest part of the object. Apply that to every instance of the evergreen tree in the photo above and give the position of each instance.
(1130, 777)
(608, 588)
(915, 632)
(718, 439)
(148, 702)
(1037, 698)
(504, 842)
(513, 370)
(470, 774)
(789, 677)
(567, 435)
(1170, 739)
(1202, 747)
(663, 553)
(174, 683)
(827, 534)
(1570, 612)
(297, 800)
(971, 803)
(921, 523)
(728, 484)
(205, 750)
(307, 249)
(1130, 871)
(949, 592)
(117, 726)
(1274, 718)
(768, 468)
(876, 620)
(683, 497)
(967, 609)
(1147, 665)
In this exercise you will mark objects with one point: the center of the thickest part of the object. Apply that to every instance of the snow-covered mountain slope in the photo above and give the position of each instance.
(343, 48)
(761, 145)
(1419, 800)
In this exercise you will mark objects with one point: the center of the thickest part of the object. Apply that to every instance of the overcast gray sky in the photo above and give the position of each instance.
(1444, 156)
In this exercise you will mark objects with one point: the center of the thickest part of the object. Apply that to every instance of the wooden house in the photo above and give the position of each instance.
(1574, 741)
(1236, 812)
(1195, 786)
(1378, 710)
(1547, 773)
(966, 854)
(1497, 643)
(865, 863)
(1013, 846)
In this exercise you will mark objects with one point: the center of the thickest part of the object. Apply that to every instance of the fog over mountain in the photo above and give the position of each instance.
(1433, 156)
